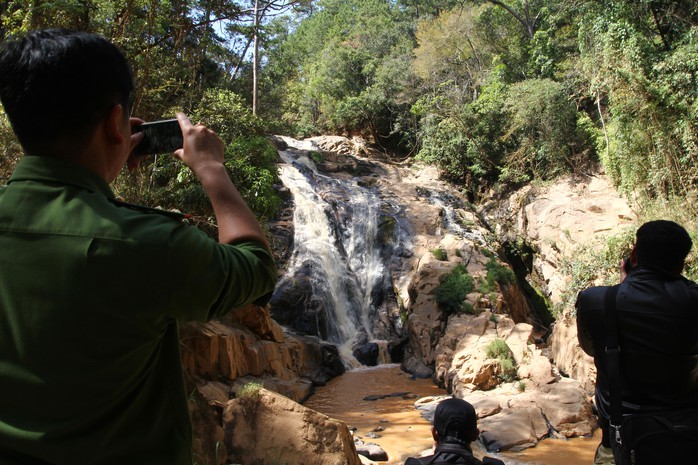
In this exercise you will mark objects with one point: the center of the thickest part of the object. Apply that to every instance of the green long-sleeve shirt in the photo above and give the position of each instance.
(90, 295)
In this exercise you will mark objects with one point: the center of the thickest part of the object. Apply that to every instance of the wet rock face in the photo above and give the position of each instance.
(366, 353)
(296, 305)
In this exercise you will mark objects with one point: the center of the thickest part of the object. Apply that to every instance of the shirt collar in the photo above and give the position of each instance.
(53, 170)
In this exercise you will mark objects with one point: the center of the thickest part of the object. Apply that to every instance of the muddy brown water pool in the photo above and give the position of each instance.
(404, 432)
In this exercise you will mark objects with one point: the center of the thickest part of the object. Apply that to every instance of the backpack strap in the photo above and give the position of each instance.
(613, 360)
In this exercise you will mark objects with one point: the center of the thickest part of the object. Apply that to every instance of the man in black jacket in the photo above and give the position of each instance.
(657, 313)
(455, 427)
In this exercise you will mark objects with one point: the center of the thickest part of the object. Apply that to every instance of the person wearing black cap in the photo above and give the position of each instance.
(455, 427)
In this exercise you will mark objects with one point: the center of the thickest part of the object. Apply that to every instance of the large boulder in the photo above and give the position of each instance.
(514, 428)
(566, 408)
(264, 427)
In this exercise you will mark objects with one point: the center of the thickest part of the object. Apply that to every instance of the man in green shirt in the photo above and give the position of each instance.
(91, 289)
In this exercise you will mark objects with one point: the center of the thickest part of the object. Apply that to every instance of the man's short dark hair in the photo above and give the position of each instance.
(455, 419)
(56, 85)
(662, 244)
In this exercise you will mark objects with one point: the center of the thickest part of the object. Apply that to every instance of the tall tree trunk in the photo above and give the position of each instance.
(255, 58)
(603, 125)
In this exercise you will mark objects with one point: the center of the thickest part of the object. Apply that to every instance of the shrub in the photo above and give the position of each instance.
(316, 156)
(439, 254)
(249, 391)
(498, 348)
(454, 287)
(498, 273)
(500, 351)
(467, 307)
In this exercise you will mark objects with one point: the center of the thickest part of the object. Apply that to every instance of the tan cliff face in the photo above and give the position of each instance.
(555, 219)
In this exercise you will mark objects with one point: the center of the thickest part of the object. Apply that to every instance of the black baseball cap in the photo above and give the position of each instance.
(455, 418)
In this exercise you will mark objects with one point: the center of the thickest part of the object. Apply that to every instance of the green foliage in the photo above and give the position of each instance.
(345, 67)
(594, 264)
(227, 113)
(468, 308)
(439, 254)
(543, 124)
(499, 350)
(450, 49)
(464, 140)
(10, 150)
(453, 289)
(249, 391)
(316, 156)
(250, 162)
(497, 274)
(642, 59)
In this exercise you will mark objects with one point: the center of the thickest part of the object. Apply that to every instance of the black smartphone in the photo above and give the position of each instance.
(159, 137)
(628, 265)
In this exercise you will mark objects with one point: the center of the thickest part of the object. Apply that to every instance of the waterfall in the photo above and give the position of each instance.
(336, 249)
(451, 222)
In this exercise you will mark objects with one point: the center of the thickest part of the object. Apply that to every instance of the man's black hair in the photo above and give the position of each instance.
(662, 244)
(455, 421)
(56, 85)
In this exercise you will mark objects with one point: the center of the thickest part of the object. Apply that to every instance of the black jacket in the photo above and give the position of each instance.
(452, 453)
(658, 335)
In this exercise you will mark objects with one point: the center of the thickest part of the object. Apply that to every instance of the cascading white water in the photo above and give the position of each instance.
(451, 221)
(340, 239)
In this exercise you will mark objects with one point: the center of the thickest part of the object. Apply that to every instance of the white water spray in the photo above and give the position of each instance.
(346, 256)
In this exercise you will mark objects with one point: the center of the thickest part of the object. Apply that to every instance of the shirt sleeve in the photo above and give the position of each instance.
(210, 278)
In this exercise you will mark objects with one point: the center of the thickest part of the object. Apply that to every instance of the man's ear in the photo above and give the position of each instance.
(113, 123)
(434, 434)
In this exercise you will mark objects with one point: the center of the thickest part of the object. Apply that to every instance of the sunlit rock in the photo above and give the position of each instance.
(265, 427)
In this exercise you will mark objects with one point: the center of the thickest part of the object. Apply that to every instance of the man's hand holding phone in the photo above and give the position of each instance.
(158, 137)
(168, 136)
(201, 146)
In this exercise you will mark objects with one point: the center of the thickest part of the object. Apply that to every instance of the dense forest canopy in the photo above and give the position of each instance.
(493, 92)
